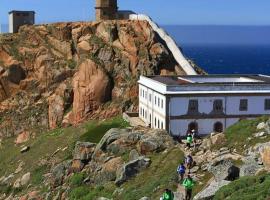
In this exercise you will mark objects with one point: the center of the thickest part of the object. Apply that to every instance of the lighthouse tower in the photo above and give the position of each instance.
(106, 9)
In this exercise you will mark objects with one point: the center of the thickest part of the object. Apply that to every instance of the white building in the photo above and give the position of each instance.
(20, 18)
(205, 103)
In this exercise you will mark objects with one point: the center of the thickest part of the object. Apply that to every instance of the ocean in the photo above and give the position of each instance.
(225, 49)
(230, 59)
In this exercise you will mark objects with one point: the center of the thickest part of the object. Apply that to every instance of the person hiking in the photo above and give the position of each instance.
(181, 170)
(167, 195)
(189, 140)
(189, 162)
(188, 183)
(193, 134)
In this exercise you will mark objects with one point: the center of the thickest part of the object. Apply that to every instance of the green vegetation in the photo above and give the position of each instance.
(72, 64)
(96, 130)
(57, 144)
(151, 182)
(77, 179)
(160, 175)
(238, 134)
(246, 188)
(86, 192)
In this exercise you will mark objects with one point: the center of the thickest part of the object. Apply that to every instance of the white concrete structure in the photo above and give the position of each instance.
(19, 18)
(171, 44)
(204, 103)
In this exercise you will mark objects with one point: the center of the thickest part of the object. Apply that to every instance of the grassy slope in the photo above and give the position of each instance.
(237, 135)
(246, 188)
(151, 182)
(43, 146)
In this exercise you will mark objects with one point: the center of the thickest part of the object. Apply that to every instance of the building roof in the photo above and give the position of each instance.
(21, 11)
(208, 84)
(211, 79)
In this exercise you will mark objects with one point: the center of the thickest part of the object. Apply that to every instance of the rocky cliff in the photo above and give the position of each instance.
(64, 73)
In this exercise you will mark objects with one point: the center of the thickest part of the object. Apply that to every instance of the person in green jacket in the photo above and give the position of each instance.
(189, 140)
(167, 195)
(188, 183)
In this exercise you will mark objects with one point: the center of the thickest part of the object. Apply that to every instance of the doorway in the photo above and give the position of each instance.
(218, 127)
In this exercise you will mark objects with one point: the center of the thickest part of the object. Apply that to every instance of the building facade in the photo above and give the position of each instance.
(20, 18)
(106, 9)
(207, 104)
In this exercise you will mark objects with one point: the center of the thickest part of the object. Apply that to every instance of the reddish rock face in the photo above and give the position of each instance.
(22, 137)
(266, 157)
(98, 62)
(92, 87)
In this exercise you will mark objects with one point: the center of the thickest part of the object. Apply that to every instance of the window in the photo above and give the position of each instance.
(158, 123)
(158, 102)
(143, 112)
(217, 106)
(150, 97)
(161, 103)
(146, 95)
(267, 104)
(193, 106)
(155, 122)
(143, 93)
(243, 105)
(155, 100)
(161, 125)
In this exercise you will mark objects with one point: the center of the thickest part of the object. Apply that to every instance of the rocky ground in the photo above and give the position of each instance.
(139, 163)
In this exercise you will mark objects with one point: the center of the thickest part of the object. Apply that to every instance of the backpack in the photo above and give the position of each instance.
(181, 169)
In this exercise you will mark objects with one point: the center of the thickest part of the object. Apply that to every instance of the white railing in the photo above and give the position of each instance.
(171, 44)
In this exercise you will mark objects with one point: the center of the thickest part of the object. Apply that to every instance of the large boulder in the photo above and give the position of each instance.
(59, 172)
(218, 139)
(209, 192)
(92, 87)
(83, 151)
(266, 157)
(130, 169)
(22, 137)
(223, 169)
(110, 136)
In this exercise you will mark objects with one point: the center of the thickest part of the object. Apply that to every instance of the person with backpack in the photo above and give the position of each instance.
(188, 183)
(189, 162)
(189, 140)
(167, 195)
(181, 170)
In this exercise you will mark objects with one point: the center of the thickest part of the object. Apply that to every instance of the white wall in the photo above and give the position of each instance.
(10, 23)
(154, 106)
(205, 126)
(179, 105)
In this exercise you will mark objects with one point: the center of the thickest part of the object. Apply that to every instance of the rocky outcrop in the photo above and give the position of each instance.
(131, 169)
(69, 71)
(209, 192)
(92, 87)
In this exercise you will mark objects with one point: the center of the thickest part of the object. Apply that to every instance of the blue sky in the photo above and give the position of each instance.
(187, 12)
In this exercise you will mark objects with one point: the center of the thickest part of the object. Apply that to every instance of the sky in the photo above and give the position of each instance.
(164, 12)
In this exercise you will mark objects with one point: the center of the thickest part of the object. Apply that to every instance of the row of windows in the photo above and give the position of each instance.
(218, 105)
(157, 123)
(157, 101)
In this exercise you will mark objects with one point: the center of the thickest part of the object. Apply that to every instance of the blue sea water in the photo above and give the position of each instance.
(230, 59)
(220, 49)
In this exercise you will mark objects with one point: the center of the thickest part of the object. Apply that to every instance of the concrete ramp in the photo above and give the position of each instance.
(171, 44)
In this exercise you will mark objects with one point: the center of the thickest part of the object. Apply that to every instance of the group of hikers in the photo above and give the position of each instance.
(184, 176)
